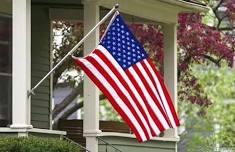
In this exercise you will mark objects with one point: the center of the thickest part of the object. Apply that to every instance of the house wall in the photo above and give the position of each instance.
(40, 60)
(41, 15)
(131, 145)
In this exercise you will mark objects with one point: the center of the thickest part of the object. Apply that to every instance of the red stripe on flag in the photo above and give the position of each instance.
(150, 92)
(156, 120)
(155, 85)
(110, 98)
(169, 101)
(121, 79)
(119, 91)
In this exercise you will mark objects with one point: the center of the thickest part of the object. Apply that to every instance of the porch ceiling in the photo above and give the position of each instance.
(164, 11)
(5, 7)
(187, 4)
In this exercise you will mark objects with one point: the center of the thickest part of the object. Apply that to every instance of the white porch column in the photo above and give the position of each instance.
(91, 93)
(170, 67)
(21, 61)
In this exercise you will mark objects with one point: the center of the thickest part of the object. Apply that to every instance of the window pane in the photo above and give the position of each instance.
(5, 62)
(5, 44)
(5, 100)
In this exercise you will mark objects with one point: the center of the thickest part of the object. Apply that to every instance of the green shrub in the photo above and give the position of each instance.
(36, 144)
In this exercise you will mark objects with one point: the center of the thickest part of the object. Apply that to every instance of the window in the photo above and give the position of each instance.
(5, 63)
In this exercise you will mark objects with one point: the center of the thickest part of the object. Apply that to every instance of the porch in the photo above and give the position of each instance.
(117, 136)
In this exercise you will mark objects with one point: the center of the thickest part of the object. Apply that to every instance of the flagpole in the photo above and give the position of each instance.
(115, 7)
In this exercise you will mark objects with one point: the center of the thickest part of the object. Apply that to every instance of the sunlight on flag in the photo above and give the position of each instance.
(122, 70)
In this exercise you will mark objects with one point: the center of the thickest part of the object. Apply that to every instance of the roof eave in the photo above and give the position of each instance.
(188, 6)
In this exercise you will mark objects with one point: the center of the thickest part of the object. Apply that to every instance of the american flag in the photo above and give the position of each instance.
(122, 70)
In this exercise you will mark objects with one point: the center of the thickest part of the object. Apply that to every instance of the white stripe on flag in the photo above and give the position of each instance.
(123, 74)
(120, 85)
(149, 82)
(168, 111)
(149, 99)
(114, 94)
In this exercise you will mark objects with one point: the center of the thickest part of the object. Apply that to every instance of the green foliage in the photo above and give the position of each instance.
(213, 126)
(219, 84)
(198, 144)
(107, 112)
(66, 35)
(35, 144)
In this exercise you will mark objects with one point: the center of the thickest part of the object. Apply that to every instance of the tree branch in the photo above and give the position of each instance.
(220, 21)
(67, 113)
(73, 109)
(69, 99)
(218, 5)
(216, 62)
(186, 60)
(215, 9)
(61, 106)
(226, 28)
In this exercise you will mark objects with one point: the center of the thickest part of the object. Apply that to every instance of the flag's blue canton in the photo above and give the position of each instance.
(122, 44)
